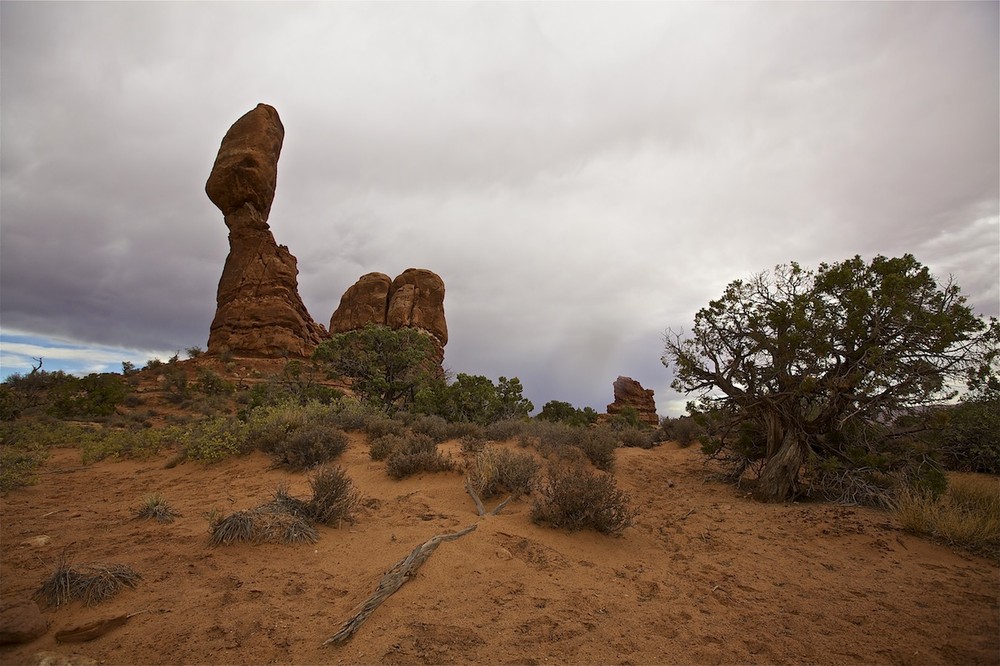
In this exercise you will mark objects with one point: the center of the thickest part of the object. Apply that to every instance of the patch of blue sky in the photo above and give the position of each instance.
(19, 353)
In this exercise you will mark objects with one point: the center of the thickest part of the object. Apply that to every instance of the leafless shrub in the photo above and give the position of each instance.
(573, 498)
(334, 497)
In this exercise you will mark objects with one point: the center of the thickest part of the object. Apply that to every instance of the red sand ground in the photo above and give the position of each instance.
(706, 576)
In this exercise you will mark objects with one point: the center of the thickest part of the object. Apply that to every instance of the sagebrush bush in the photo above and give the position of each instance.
(334, 498)
(642, 438)
(432, 426)
(402, 463)
(599, 444)
(501, 431)
(384, 446)
(495, 469)
(463, 429)
(309, 446)
(573, 498)
(20, 455)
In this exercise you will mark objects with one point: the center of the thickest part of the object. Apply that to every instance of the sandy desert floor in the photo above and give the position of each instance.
(706, 575)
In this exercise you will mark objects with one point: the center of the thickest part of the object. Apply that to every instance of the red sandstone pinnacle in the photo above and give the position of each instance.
(259, 311)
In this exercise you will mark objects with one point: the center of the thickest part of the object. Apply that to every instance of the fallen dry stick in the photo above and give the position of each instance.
(92, 630)
(391, 581)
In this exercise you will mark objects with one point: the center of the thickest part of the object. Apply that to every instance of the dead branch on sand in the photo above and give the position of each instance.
(391, 581)
(479, 503)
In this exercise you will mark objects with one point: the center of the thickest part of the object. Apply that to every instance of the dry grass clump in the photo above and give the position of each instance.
(334, 497)
(155, 507)
(573, 498)
(967, 515)
(495, 469)
(288, 519)
(92, 583)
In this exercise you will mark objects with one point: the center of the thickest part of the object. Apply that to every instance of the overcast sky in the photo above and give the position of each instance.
(582, 176)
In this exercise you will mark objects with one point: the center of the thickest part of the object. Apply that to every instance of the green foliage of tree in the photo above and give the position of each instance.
(819, 363)
(385, 366)
(558, 411)
(474, 399)
(969, 440)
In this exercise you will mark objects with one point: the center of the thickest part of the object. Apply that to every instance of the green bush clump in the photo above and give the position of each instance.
(572, 498)
(138, 443)
(218, 439)
(495, 469)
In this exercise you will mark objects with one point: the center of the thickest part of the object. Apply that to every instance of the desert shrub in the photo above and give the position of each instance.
(402, 465)
(683, 430)
(175, 383)
(219, 438)
(432, 426)
(599, 445)
(573, 498)
(93, 396)
(261, 525)
(843, 484)
(309, 446)
(91, 584)
(625, 419)
(138, 443)
(495, 469)
(384, 446)
(194, 352)
(20, 456)
(334, 498)
(642, 438)
(155, 507)
(501, 431)
(472, 444)
(464, 429)
(967, 516)
(210, 383)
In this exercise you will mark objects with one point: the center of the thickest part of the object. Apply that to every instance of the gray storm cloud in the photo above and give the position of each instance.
(581, 175)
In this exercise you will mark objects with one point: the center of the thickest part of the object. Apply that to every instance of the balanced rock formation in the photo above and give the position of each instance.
(259, 311)
(414, 299)
(630, 394)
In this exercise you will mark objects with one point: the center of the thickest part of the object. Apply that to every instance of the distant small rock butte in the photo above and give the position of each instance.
(629, 393)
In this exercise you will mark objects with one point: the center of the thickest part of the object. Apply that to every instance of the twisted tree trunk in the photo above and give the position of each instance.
(786, 451)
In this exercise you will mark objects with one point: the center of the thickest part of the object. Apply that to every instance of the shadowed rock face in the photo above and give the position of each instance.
(629, 393)
(259, 311)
